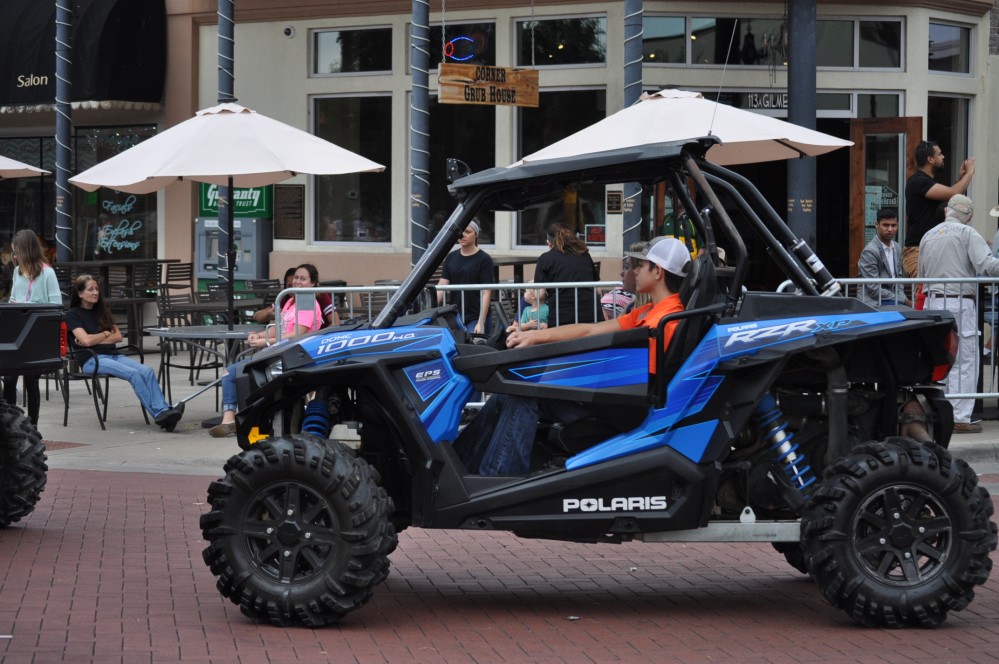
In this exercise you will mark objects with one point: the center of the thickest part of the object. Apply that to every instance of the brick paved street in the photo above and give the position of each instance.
(108, 568)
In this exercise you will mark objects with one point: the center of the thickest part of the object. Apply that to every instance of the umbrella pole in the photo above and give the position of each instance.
(230, 254)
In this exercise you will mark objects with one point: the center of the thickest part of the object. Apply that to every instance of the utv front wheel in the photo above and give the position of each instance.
(898, 533)
(22, 465)
(299, 531)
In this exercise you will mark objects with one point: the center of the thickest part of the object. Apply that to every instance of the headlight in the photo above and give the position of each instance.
(274, 369)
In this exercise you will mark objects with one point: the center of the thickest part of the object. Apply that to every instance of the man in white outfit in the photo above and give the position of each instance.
(954, 249)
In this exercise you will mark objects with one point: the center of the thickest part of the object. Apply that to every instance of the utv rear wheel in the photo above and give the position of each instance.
(22, 465)
(898, 533)
(299, 531)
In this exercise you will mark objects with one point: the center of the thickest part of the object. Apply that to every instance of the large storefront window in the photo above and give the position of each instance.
(467, 133)
(463, 43)
(562, 41)
(351, 51)
(109, 223)
(950, 48)
(355, 207)
(560, 114)
(947, 124)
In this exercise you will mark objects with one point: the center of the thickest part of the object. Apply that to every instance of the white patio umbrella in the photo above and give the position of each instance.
(11, 168)
(227, 145)
(224, 145)
(674, 115)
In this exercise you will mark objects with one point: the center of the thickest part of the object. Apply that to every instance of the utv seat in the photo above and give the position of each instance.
(698, 290)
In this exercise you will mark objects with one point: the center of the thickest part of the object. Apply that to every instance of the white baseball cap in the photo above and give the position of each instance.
(667, 252)
(994, 212)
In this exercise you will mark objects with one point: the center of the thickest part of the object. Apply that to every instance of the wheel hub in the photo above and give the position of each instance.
(901, 536)
(289, 532)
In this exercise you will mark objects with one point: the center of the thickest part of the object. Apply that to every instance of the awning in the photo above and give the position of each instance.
(119, 53)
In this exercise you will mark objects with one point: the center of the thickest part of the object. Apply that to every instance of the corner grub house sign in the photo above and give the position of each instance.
(488, 86)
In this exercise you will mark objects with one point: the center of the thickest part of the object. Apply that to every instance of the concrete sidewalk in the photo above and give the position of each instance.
(130, 445)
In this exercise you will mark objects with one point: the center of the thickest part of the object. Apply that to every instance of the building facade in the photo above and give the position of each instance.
(342, 71)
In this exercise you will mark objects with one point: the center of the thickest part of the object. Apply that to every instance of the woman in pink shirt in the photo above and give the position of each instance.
(294, 322)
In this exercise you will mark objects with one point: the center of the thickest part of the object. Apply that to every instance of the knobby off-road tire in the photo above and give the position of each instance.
(22, 465)
(794, 554)
(299, 531)
(898, 534)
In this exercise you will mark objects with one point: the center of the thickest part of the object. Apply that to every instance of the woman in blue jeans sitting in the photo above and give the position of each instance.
(90, 324)
(294, 323)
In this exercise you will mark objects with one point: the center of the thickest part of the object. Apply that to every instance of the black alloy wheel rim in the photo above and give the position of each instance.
(903, 535)
(290, 532)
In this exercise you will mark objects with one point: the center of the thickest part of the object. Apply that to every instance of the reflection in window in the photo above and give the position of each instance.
(834, 43)
(881, 44)
(558, 115)
(664, 39)
(467, 133)
(355, 207)
(950, 48)
(109, 223)
(947, 125)
(466, 43)
(877, 106)
(349, 51)
(750, 40)
(563, 41)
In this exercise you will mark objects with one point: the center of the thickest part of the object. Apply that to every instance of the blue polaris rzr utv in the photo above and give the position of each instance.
(809, 421)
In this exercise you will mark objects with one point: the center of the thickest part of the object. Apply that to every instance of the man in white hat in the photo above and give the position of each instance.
(499, 440)
(953, 248)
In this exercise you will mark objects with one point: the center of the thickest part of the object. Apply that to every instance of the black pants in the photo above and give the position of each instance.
(30, 389)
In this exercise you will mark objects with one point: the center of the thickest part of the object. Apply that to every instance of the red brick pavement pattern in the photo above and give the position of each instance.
(108, 569)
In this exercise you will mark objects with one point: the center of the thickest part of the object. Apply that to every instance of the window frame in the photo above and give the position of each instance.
(313, 55)
(515, 41)
(313, 183)
(855, 20)
(971, 48)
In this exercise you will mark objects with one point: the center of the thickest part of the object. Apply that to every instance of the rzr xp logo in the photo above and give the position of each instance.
(783, 331)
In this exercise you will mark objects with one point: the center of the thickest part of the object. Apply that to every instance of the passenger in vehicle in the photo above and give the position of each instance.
(499, 439)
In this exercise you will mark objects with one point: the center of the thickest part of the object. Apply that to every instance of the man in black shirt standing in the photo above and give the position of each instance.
(923, 195)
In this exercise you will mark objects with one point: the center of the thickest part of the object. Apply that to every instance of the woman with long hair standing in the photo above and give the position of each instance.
(567, 259)
(90, 324)
(33, 281)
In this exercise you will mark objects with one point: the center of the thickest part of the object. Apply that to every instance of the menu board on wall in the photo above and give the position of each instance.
(289, 212)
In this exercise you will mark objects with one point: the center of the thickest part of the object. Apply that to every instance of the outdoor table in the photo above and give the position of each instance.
(197, 335)
(516, 262)
(215, 308)
(103, 267)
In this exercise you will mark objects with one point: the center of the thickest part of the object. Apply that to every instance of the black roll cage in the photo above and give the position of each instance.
(528, 183)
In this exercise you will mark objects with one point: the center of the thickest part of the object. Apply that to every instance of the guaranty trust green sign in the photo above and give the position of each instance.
(253, 202)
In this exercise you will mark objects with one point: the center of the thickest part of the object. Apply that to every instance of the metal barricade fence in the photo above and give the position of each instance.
(971, 300)
(367, 301)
